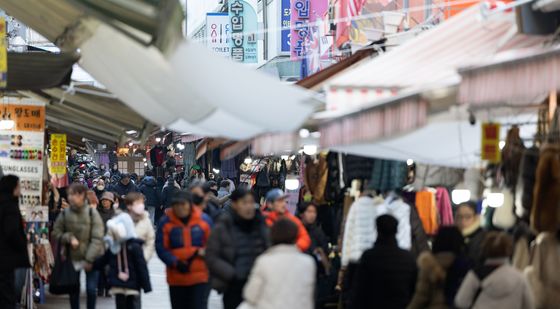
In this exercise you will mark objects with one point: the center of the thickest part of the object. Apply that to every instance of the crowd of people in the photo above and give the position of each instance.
(259, 256)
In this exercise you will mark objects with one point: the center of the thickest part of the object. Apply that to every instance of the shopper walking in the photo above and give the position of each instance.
(13, 244)
(441, 272)
(200, 201)
(318, 249)
(277, 205)
(495, 284)
(148, 187)
(125, 186)
(238, 238)
(468, 221)
(224, 189)
(283, 277)
(386, 275)
(180, 244)
(100, 188)
(80, 227)
(143, 225)
(169, 190)
(128, 271)
(107, 212)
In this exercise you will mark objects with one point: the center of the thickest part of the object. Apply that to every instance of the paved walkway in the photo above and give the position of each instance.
(158, 298)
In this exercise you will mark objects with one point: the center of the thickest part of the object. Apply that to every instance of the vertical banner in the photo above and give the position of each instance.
(22, 129)
(244, 25)
(218, 33)
(490, 149)
(285, 22)
(3, 54)
(308, 18)
(58, 154)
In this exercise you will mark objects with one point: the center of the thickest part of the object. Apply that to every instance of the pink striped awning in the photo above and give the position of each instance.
(520, 79)
(375, 123)
(275, 143)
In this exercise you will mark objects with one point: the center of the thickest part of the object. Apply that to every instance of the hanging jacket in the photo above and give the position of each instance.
(360, 232)
(419, 237)
(526, 183)
(138, 275)
(426, 206)
(315, 178)
(335, 177)
(443, 203)
(177, 241)
(401, 211)
(544, 213)
(511, 157)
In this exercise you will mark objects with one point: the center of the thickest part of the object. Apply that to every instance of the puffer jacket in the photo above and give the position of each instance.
(169, 189)
(282, 277)
(148, 187)
(505, 287)
(139, 277)
(123, 190)
(431, 286)
(86, 225)
(303, 241)
(360, 232)
(544, 274)
(145, 231)
(233, 248)
(177, 241)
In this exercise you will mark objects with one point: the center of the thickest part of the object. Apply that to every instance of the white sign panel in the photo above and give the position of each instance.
(218, 33)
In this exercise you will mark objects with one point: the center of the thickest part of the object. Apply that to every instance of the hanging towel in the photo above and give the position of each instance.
(426, 206)
(444, 207)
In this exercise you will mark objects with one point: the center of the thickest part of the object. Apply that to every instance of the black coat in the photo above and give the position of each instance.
(13, 244)
(473, 244)
(151, 192)
(167, 193)
(123, 190)
(139, 277)
(233, 247)
(386, 277)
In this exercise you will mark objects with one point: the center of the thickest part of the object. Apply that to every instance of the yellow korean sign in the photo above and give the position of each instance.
(58, 154)
(490, 149)
(3, 54)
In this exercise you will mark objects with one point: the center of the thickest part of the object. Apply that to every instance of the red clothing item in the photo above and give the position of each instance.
(303, 241)
(176, 241)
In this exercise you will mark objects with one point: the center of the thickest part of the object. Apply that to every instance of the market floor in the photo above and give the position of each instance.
(159, 298)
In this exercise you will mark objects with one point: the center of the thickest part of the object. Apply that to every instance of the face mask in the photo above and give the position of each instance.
(138, 209)
(101, 188)
(116, 206)
(197, 199)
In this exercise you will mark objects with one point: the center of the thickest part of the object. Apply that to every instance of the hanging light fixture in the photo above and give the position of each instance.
(310, 149)
(248, 160)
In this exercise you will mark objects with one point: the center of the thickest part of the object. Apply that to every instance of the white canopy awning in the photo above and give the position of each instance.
(193, 90)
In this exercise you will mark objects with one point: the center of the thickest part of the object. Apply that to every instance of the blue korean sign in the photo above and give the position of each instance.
(286, 13)
(244, 24)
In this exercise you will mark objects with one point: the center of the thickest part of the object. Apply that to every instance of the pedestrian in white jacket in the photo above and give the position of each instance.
(496, 284)
(143, 225)
(282, 277)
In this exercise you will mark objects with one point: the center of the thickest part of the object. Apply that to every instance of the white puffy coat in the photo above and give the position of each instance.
(145, 231)
(281, 278)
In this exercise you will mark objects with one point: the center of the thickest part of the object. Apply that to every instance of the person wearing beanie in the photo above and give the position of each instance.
(181, 244)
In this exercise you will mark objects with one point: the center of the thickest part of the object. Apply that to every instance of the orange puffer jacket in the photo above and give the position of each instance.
(176, 241)
(303, 241)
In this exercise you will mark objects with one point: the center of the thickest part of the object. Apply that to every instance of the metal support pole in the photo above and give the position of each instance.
(265, 26)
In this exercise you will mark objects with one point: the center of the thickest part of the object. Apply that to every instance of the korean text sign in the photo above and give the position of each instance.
(490, 148)
(58, 154)
(244, 24)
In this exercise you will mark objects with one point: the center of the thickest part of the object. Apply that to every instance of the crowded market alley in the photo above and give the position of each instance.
(302, 154)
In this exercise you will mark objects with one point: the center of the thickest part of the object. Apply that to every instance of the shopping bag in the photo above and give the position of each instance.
(64, 278)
